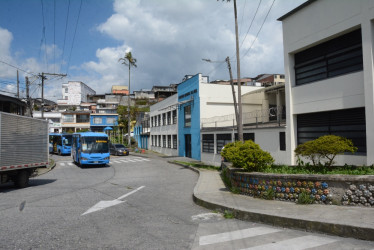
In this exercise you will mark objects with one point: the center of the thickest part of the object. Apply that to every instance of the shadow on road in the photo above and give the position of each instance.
(8, 187)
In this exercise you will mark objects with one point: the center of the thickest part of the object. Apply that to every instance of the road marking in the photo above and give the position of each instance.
(123, 161)
(298, 243)
(62, 164)
(105, 204)
(117, 161)
(70, 164)
(236, 235)
(206, 216)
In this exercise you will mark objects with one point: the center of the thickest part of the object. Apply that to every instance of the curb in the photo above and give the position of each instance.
(341, 230)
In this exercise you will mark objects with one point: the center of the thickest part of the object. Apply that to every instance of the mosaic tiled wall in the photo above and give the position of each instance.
(285, 188)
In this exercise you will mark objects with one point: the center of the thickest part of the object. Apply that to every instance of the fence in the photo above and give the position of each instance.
(273, 116)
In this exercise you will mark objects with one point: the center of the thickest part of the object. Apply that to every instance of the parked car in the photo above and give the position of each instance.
(118, 149)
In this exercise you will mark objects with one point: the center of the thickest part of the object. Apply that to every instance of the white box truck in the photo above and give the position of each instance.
(23, 148)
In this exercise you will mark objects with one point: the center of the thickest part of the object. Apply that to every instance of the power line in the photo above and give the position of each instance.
(54, 36)
(260, 29)
(75, 31)
(43, 35)
(251, 23)
(66, 27)
(18, 68)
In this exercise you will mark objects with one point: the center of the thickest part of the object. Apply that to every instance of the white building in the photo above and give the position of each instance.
(164, 126)
(54, 119)
(74, 93)
(328, 50)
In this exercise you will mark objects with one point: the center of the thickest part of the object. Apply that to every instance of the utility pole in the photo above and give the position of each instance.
(240, 122)
(45, 78)
(233, 93)
(17, 84)
(29, 106)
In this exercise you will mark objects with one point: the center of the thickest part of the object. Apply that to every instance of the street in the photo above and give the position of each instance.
(133, 203)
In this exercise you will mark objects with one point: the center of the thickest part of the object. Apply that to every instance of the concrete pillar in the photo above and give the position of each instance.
(368, 53)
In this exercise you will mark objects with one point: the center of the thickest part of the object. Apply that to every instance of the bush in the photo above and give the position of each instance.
(247, 155)
(325, 148)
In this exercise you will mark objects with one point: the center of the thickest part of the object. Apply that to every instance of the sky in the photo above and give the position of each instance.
(85, 39)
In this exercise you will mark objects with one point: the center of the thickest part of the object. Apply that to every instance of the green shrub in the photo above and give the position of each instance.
(247, 155)
(304, 198)
(325, 148)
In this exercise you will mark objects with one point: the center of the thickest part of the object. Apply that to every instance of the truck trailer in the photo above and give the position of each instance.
(23, 148)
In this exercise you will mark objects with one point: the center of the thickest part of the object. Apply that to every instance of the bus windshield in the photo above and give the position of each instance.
(95, 144)
(67, 140)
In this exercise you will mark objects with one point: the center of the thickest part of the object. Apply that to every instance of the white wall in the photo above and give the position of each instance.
(217, 100)
(314, 24)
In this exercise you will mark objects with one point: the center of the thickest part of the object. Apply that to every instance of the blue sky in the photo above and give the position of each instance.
(168, 38)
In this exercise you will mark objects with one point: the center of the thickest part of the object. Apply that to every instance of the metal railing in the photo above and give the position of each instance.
(275, 116)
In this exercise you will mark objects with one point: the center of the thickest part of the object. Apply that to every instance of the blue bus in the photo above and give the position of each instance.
(60, 143)
(90, 148)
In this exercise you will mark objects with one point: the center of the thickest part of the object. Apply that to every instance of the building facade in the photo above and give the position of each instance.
(164, 126)
(329, 69)
(74, 93)
(100, 121)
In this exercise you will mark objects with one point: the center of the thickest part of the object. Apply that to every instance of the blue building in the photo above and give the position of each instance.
(189, 116)
(142, 130)
(100, 121)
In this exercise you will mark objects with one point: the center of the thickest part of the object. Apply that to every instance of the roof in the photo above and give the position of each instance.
(296, 10)
(12, 99)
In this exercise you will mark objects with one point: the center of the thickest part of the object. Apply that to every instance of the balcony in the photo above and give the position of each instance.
(272, 117)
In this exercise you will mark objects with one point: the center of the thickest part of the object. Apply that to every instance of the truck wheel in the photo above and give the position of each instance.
(22, 179)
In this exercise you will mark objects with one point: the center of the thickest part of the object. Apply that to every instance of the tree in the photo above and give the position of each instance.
(130, 61)
(325, 147)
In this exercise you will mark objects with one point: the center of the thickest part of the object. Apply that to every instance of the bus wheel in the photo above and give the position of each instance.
(59, 152)
(22, 179)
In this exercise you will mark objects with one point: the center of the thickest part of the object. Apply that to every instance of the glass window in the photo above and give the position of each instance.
(83, 118)
(174, 116)
(348, 123)
(169, 141)
(110, 120)
(164, 119)
(208, 143)
(68, 118)
(169, 118)
(282, 141)
(97, 120)
(187, 116)
(164, 141)
(175, 141)
(336, 57)
(222, 140)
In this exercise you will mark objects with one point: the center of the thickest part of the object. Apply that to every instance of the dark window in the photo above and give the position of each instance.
(174, 117)
(208, 143)
(222, 140)
(164, 119)
(336, 57)
(164, 141)
(348, 123)
(175, 141)
(282, 141)
(159, 120)
(246, 136)
(169, 118)
(159, 141)
(169, 141)
(187, 116)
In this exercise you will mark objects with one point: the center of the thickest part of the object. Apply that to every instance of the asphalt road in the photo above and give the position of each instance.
(134, 203)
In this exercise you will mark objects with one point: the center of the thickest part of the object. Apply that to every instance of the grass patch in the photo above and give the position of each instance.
(228, 214)
(199, 165)
(304, 198)
(308, 169)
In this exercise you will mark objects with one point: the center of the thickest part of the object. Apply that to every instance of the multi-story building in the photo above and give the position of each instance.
(162, 92)
(164, 126)
(100, 121)
(267, 80)
(75, 121)
(329, 74)
(73, 94)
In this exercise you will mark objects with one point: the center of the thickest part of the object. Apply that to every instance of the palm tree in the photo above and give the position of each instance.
(128, 60)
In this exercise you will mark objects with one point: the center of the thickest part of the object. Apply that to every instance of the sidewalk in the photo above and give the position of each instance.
(344, 221)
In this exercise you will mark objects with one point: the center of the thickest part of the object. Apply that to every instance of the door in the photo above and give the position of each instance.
(188, 145)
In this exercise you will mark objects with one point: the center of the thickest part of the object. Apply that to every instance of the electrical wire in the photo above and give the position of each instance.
(66, 28)
(258, 6)
(43, 35)
(260, 29)
(18, 68)
(54, 36)
(75, 32)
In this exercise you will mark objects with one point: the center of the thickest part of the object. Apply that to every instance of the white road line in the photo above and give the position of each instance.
(137, 159)
(117, 161)
(70, 164)
(236, 235)
(299, 243)
(62, 164)
(123, 161)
